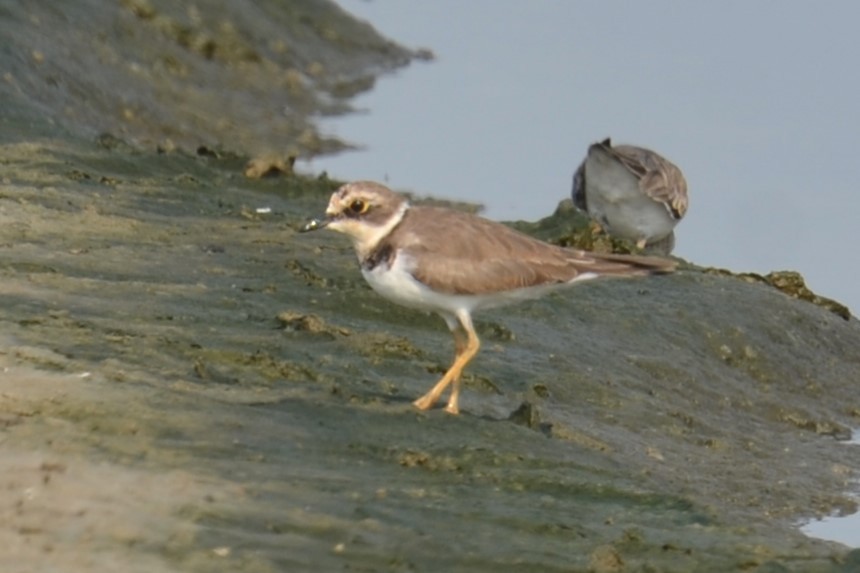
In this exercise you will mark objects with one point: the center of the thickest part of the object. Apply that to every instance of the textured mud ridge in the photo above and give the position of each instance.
(242, 76)
(191, 385)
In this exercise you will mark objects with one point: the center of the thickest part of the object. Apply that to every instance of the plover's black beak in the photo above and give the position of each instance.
(314, 224)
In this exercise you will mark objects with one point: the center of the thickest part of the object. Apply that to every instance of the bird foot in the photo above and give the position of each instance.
(425, 402)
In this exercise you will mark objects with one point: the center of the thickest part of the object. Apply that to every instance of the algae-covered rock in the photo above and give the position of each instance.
(189, 384)
(677, 423)
(792, 284)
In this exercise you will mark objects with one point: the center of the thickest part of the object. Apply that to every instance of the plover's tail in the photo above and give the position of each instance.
(621, 265)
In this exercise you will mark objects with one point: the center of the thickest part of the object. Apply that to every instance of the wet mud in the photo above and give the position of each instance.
(187, 383)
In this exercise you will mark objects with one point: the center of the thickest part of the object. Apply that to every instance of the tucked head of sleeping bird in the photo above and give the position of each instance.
(633, 193)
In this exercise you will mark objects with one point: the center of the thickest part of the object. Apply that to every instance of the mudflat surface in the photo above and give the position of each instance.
(188, 384)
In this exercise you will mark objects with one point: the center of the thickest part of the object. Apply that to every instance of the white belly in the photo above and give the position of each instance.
(398, 285)
(632, 216)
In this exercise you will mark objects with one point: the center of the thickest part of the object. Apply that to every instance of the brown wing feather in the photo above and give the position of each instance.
(659, 178)
(496, 257)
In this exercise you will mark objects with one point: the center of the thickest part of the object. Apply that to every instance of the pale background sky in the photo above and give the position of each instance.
(757, 102)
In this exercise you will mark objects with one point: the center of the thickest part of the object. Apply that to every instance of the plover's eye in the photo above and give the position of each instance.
(358, 206)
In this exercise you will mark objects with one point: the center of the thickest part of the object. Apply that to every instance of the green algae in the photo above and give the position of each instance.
(792, 284)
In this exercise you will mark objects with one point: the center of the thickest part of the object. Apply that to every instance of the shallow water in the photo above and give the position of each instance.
(840, 528)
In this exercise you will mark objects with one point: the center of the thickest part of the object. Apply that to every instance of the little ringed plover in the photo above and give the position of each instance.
(455, 263)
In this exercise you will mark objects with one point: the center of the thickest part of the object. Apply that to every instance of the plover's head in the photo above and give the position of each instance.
(364, 210)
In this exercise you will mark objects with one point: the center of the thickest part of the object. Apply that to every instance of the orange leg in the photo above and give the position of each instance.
(462, 345)
(465, 348)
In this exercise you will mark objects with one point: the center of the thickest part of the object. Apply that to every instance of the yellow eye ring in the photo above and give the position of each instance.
(358, 207)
